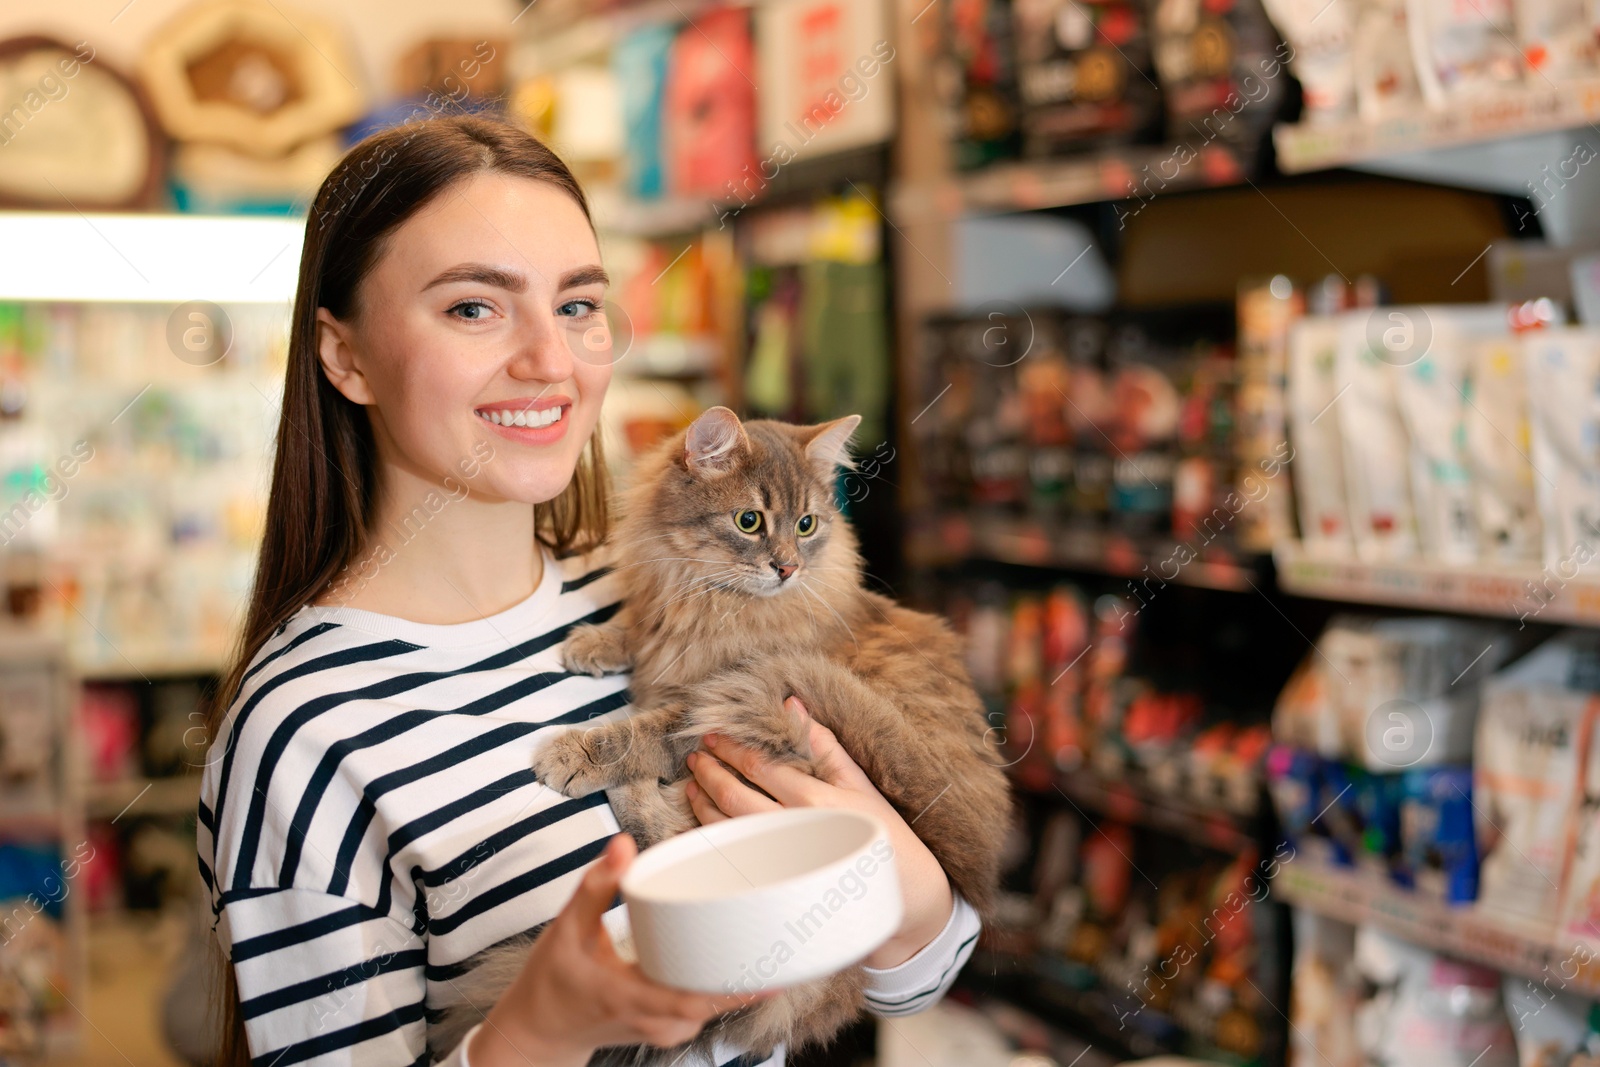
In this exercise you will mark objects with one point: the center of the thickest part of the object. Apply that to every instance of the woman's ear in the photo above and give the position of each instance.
(336, 351)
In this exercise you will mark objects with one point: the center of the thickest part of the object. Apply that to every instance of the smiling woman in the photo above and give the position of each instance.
(370, 823)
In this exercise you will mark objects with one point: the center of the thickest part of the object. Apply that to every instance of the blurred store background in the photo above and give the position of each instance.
(1229, 373)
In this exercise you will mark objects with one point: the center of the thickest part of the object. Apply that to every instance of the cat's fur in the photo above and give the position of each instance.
(716, 641)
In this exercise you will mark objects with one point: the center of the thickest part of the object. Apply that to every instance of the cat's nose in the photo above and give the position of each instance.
(784, 569)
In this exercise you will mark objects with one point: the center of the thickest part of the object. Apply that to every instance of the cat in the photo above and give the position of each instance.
(742, 585)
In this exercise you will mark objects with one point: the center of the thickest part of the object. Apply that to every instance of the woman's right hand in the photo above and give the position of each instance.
(575, 994)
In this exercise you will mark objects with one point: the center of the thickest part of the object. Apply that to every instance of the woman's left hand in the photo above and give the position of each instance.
(716, 794)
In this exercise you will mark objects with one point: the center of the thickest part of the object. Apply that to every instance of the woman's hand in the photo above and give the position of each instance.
(715, 793)
(574, 994)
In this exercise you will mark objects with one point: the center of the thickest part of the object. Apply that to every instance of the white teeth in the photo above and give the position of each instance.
(530, 419)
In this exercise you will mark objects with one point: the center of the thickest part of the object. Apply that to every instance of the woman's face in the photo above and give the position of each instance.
(479, 345)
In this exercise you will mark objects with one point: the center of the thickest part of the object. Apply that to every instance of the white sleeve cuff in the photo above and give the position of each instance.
(920, 981)
(458, 1056)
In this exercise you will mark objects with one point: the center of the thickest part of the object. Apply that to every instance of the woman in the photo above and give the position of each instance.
(369, 821)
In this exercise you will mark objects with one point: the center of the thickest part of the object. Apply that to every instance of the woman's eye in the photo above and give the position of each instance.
(579, 309)
(747, 521)
(806, 526)
(470, 310)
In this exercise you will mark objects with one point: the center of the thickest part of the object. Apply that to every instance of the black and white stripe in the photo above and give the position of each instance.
(371, 821)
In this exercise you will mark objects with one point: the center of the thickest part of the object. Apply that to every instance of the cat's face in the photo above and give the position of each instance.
(749, 506)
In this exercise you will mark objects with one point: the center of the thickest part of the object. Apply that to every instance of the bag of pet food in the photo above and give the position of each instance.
(1084, 74)
(1429, 1009)
(1563, 368)
(1386, 75)
(1431, 389)
(1463, 49)
(1551, 1025)
(1324, 992)
(1498, 434)
(1437, 838)
(1212, 58)
(1322, 36)
(1372, 344)
(1314, 387)
(1580, 907)
(1557, 40)
(1526, 765)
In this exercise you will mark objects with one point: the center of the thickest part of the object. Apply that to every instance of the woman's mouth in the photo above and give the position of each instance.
(529, 421)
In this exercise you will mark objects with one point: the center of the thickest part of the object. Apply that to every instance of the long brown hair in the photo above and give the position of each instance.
(325, 476)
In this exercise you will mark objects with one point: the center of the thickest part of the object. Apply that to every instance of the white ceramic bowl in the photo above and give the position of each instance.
(763, 901)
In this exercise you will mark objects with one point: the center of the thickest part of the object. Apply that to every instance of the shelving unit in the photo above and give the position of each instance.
(175, 796)
(1533, 108)
(1202, 822)
(1481, 589)
(37, 700)
(1354, 897)
(1113, 173)
(945, 538)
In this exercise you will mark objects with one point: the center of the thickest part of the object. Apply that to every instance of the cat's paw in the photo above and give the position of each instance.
(595, 650)
(776, 733)
(580, 761)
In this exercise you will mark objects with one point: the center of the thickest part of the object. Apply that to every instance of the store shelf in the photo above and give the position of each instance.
(1127, 172)
(140, 258)
(1185, 816)
(1479, 589)
(177, 795)
(135, 663)
(1464, 932)
(648, 219)
(950, 537)
(577, 33)
(1535, 109)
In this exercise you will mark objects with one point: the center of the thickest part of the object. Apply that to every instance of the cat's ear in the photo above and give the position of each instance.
(714, 442)
(826, 448)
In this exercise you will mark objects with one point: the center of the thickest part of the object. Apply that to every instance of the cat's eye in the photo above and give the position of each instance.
(806, 526)
(747, 521)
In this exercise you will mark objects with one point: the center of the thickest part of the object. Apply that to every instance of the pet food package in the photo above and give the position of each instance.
(1217, 69)
(1429, 1009)
(1322, 36)
(1430, 386)
(709, 109)
(1563, 368)
(1392, 694)
(1438, 843)
(1551, 1026)
(1498, 447)
(1526, 763)
(1422, 690)
(1372, 342)
(1463, 48)
(1314, 387)
(639, 62)
(1385, 74)
(1557, 39)
(1580, 907)
(1324, 992)
(1267, 307)
(977, 81)
(1084, 74)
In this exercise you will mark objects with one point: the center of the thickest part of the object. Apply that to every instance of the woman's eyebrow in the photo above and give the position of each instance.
(584, 276)
(482, 273)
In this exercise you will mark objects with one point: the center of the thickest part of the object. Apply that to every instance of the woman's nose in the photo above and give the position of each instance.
(544, 352)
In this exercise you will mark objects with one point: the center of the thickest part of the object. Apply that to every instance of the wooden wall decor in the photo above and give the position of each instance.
(75, 132)
(254, 76)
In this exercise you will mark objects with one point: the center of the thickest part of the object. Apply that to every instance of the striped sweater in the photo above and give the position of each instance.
(372, 822)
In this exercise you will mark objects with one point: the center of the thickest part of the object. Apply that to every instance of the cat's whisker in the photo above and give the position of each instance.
(710, 582)
(823, 601)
